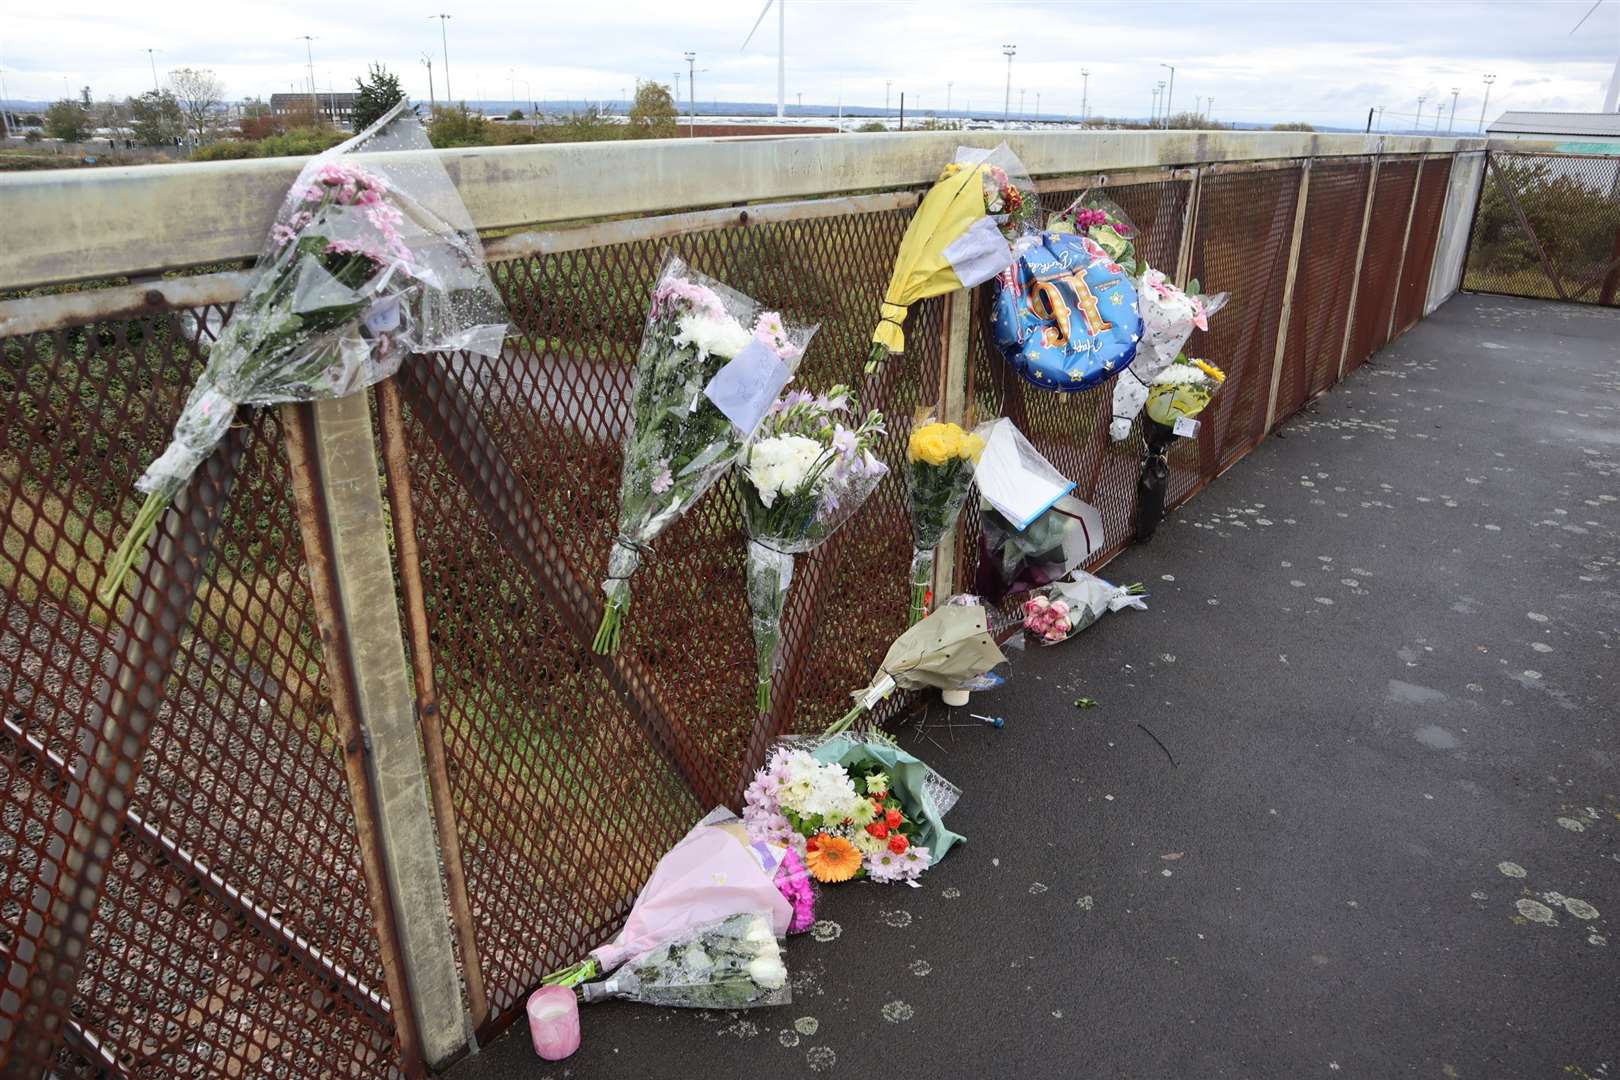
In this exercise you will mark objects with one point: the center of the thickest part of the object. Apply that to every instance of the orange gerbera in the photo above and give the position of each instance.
(833, 859)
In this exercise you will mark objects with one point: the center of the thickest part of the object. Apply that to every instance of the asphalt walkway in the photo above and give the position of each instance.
(1381, 837)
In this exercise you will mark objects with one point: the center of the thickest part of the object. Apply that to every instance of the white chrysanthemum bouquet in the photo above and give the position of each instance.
(804, 473)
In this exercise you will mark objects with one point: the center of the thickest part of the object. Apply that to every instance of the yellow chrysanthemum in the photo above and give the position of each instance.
(1211, 370)
(833, 859)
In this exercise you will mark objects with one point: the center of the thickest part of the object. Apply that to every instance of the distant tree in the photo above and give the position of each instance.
(262, 126)
(1293, 125)
(652, 114)
(515, 114)
(591, 124)
(873, 125)
(1191, 121)
(378, 92)
(456, 125)
(155, 118)
(68, 121)
(31, 135)
(199, 94)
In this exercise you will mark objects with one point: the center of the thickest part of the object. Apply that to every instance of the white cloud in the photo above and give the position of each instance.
(1326, 62)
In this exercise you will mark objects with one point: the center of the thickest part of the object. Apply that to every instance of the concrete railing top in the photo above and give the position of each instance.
(73, 225)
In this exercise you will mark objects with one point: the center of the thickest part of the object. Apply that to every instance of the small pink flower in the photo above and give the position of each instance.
(664, 480)
(1060, 608)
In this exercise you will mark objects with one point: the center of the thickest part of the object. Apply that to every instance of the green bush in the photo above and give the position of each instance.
(299, 142)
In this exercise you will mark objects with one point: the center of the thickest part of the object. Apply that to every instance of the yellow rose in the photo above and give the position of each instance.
(936, 444)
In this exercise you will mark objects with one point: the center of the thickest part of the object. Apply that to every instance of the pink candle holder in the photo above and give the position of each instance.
(554, 1022)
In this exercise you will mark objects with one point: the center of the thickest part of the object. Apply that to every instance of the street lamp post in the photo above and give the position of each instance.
(444, 44)
(1417, 125)
(1085, 87)
(309, 54)
(691, 93)
(153, 61)
(1454, 92)
(1009, 51)
(888, 88)
(1209, 108)
(1170, 96)
(948, 88)
(433, 104)
(1482, 105)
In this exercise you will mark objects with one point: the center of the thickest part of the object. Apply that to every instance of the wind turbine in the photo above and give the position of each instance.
(1611, 100)
(781, 50)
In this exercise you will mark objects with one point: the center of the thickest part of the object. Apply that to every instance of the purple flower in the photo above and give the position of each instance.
(793, 882)
(664, 480)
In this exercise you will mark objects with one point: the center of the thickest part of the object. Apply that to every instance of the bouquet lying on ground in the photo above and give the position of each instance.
(1169, 316)
(1014, 560)
(1064, 608)
(371, 258)
(950, 648)
(1182, 390)
(940, 459)
(804, 473)
(962, 235)
(731, 963)
(711, 362)
(715, 872)
(850, 820)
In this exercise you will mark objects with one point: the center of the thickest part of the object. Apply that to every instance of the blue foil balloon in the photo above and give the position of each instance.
(1067, 317)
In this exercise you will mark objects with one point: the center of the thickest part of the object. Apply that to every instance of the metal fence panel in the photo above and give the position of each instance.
(1423, 234)
(233, 934)
(1548, 226)
(1380, 275)
(1327, 262)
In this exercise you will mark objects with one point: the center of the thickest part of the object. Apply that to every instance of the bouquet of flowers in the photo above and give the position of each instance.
(1169, 316)
(711, 362)
(732, 963)
(804, 473)
(962, 235)
(1065, 608)
(941, 457)
(848, 821)
(1014, 560)
(1099, 218)
(371, 258)
(945, 651)
(1182, 390)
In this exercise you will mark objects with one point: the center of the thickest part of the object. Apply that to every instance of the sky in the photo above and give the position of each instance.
(1325, 62)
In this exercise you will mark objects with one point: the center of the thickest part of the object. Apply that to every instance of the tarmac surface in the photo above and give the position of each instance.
(1381, 837)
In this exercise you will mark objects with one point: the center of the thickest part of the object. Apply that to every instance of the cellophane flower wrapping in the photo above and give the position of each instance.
(680, 443)
(1013, 560)
(849, 815)
(939, 467)
(372, 257)
(1182, 390)
(1096, 216)
(1061, 610)
(1169, 316)
(732, 963)
(803, 475)
(1010, 199)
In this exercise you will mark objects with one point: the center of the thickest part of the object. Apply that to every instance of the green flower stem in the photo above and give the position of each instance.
(573, 975)
(124, 559)
(607, 634)
(875, 358)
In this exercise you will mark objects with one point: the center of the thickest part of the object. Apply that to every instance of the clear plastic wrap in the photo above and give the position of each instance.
(1014, 560)
(944, 651)
(711, 361)
(939, 467)
(733, 963)
(1099, 218)
(1064, 608)
(372, 257)
(803, 475)
(1169, 316)
(1013, 477)
(1010, 200)
(1182, 390)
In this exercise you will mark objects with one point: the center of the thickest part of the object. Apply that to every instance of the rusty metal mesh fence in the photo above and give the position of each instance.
(571, 772)
(1386, 236)
(1424, 232)
(235, 932)
(1334, 208)
(233, 935)
(1548, 226)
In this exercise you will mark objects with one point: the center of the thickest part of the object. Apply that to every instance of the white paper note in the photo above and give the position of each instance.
(746, 386)
(1186, 427)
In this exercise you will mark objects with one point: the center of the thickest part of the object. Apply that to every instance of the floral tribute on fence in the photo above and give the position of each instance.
(712, 361)
(804, 474)
(940, 458)
(372, 257)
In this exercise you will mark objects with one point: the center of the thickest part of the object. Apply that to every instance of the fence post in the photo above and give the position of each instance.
(953, 401)
(1288, 292)
(1361, 254)
(1189, 227)
(340, 509)
(1406, 243)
